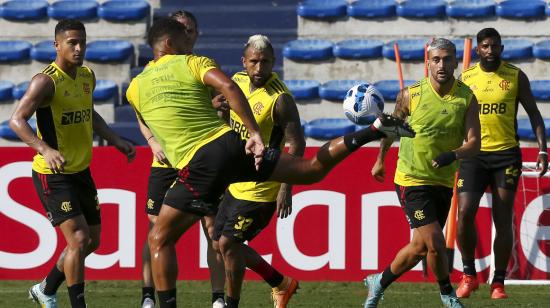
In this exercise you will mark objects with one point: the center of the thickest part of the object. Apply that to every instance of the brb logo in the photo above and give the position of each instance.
(75, 117)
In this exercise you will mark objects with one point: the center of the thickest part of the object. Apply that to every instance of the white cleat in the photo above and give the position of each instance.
(45, 301)
(393, 127)
(219, 303)
(148, 303)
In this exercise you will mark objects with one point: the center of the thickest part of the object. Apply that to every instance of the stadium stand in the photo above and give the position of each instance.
(322, 9)
(6, 89)
(421, 9)
(303, 89)
(43, 51)
(541, 50)
(123, 10)
(308, 50)
(336, 89)
(470, 8)
(358, 49)
(372, 9)
(324, 129)
(409, 49)
(82, 10)
(525, 131)
(24, 10)
(12, 51)
(389, 88)
(541, 89)
(517, 49)
(20, 89)
(521, 9)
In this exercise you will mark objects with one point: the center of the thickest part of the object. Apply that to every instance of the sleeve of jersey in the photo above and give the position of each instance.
(200, 65)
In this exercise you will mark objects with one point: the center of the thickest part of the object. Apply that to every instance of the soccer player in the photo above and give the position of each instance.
(443, 112)
(61, 96)
(161, 176)
(499, 87)
(247, 207)
(171, 97)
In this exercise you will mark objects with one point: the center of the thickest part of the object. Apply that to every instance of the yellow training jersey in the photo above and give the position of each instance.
(439, 125)
(65, 122)
(173, 101)
(496, 93)
(262, 102)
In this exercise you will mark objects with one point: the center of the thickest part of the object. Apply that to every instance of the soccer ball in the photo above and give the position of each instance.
(362, 103)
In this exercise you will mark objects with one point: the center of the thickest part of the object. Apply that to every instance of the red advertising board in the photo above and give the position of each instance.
(341, 229)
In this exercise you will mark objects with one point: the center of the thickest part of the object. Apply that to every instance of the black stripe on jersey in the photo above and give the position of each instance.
(509, 65)
(275, 86)
(280, 84)
(469, 69)
(46, 126)
(276, 137)
(49, 70)
(414, 85)
(270, 89)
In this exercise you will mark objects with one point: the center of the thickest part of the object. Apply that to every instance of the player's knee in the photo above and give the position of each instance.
(155, 239)
(79, 241)
(216, 246)
(225, 246)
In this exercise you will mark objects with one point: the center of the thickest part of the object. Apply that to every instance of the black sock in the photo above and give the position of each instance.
(52, 282)
(147, 292)
(76, 295)
(167, 299)
(469, 267)
(499, 276)
(231, 302)
(216, 295)
(387, 277)
(355, 140)
(445, 286)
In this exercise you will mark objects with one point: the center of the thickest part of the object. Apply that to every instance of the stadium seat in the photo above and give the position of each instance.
(129, 131)
(525, 131)
(123, 10)
(409, 49)
(322, 9)
(328, 128)
(145, 54)
(109, 51)
(336, 89)
(517, 49)
(303, 89)
(6, 89)
(390, 88)
(19, 90)
(358, 49)
(541, 89)
(7, 133)
(308, 50)
(421, 8)
(134, 71)
(541, 50)
(459, 43)
(24, 9)
(43, 52)
(372, 9)
(82, 10)
(125, 114)
(471, 8)
(123, 88)
(105, 90)
(14, 51)
(521, 9)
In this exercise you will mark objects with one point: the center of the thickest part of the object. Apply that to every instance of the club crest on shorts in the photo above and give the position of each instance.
(419, 214)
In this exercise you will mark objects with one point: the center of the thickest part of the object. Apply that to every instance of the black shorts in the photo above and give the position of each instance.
(502, 168)
(68, 195)
(160, 180)
(425, 204)
(213, 167)
(242, 220)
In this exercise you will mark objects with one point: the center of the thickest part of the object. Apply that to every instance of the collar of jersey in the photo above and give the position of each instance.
(63, 72)
(444, 98)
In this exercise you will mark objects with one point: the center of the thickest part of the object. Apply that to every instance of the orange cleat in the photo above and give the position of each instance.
(466, 286)
(282, 294)
(497, 291)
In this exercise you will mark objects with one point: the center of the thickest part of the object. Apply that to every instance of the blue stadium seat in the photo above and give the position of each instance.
(122, 10)
(125, 114)
(322, 9)
(82, 10)
(134, 71)
(24, 9)
(43, 51)
(358, 49)
(123, 88)
(459, 43)
(19, 90)
(7, 133)
(390, 88)
(522, 9)
(517, 49)
(525, 131)
(547, 10)
(541, 49)
(14, 51)
(308, 50)
(541, 89)
(105, 90)
(303, 89)
(328, 128)
(421, 9)
(6, 89)
(145, 54)
(471, 8)
(372, 9)
(409, 49)
(109, 51)
(336, 89)
(129, 131)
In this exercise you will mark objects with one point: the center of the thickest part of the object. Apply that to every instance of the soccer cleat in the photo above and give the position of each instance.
(45, 301)
(466, 286)
(451, 300)
(393, 127)
(148, 303)
(497, 291)
(219, 303)
(281, 296)
(376, 292)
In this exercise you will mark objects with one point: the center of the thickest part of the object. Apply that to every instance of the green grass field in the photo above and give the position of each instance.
(256, 294)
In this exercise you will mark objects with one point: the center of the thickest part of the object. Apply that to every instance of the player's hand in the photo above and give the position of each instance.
(125, 148)
(219, 102)
(255, 146)
(284, 201)
(542, 164)
(158, 153)
(55, 160)
(444, 159)
(379, 171)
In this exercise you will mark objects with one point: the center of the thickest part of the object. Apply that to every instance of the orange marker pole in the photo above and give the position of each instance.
(426, 60)
(467, 53)
(450, 231)
(399, 69)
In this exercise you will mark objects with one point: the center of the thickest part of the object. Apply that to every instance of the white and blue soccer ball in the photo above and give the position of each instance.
(363, 102)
